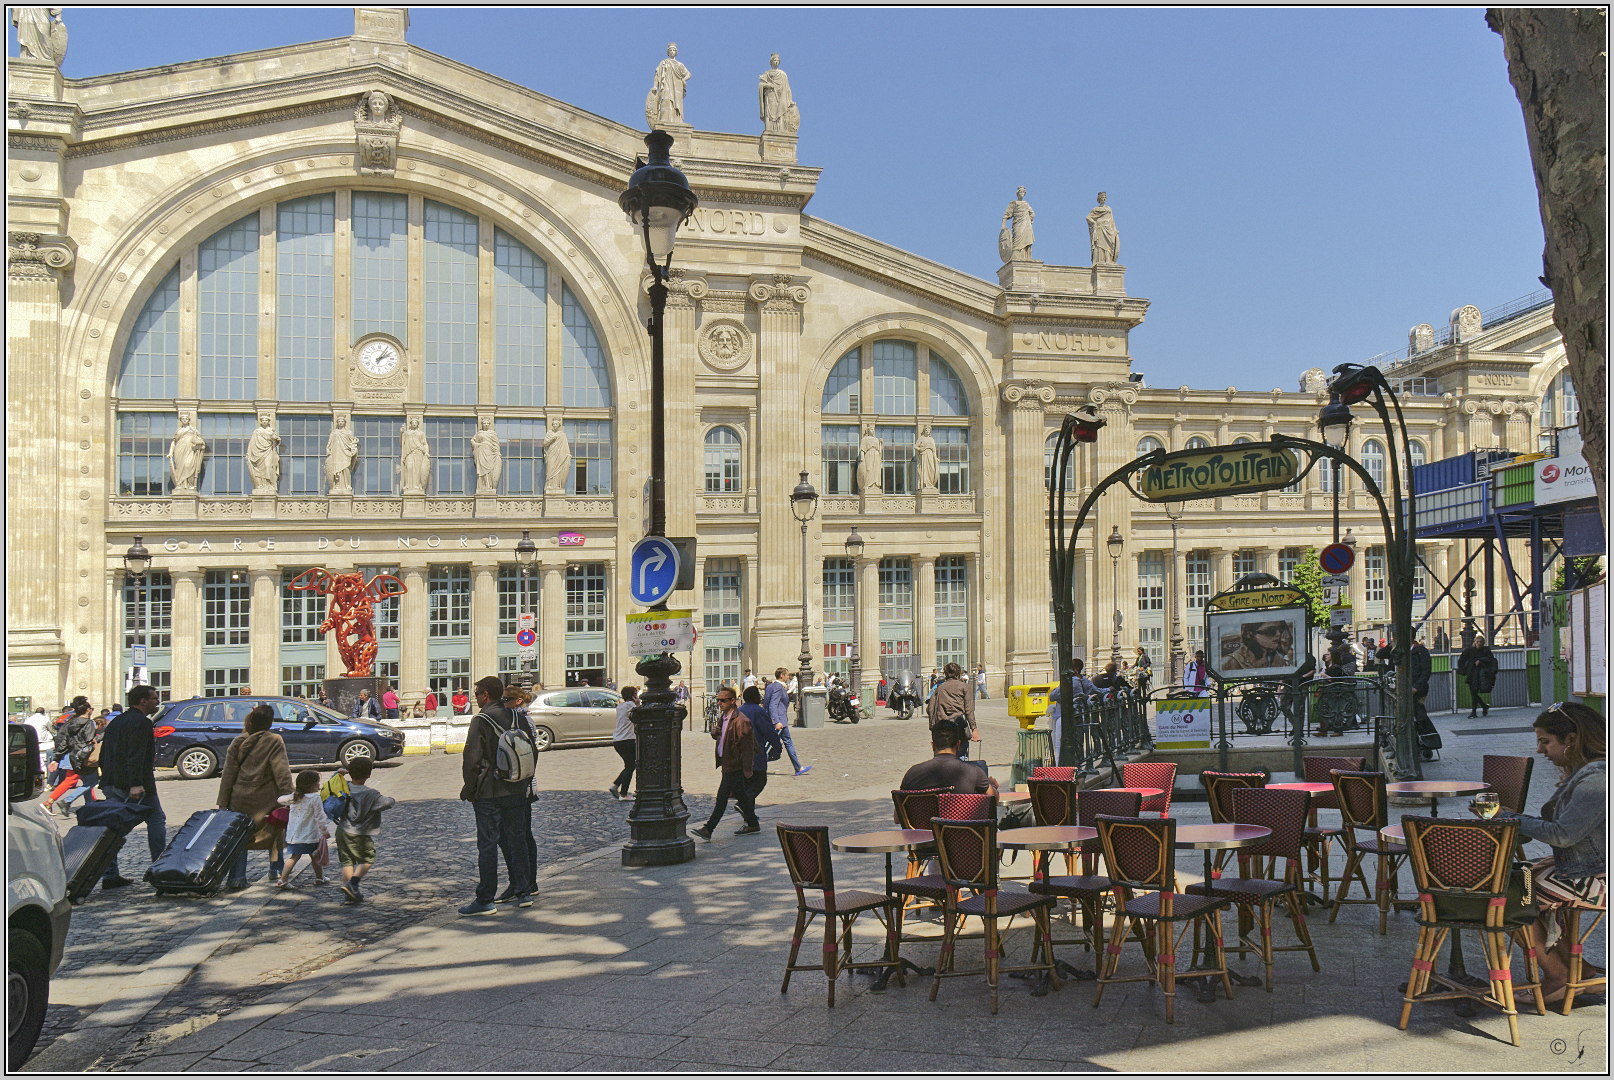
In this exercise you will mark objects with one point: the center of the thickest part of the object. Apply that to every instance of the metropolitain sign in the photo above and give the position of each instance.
(1218, 470)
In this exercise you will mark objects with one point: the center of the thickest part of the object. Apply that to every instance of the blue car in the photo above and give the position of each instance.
(192, 735)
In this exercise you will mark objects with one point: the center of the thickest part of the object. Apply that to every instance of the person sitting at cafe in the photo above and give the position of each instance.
(1575, 823)
(946, 769)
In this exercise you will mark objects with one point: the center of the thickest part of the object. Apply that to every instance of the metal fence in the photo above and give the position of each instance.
(1106, 727)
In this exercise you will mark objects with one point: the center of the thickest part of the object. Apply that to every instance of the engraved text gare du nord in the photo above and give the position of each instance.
(1218, 470)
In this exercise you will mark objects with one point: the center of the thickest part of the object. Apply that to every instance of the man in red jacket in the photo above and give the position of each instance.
(736, 756)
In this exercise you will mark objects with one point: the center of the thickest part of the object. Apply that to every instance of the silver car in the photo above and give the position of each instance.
(582, 714)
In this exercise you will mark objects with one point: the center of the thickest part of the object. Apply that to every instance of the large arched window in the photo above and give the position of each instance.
(722, 461)
(1373, 461)
(1048, 465)
(896, 387)
(1196, 443)
(342, 263)
(1419, 455)
(1560, 407)
(1149, 444)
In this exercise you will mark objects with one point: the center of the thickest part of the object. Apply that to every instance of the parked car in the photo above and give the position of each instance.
(581, 714)
(192, 735)
(37, 908)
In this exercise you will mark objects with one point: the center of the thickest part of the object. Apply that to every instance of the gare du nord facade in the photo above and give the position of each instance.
(360, 234)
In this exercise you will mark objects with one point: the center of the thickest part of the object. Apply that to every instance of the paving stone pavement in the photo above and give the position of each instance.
(574, 987)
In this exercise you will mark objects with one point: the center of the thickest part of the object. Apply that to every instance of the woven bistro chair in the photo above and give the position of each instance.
(1256, 890)
(1509, 777)
(1053, 802)
(1141, 855)
(1053, 772)
(806, 850)
(1219, 788)
(1363, 806)
(1462, 870)
(914, 809)
(1579, 981)
(1320, 838)
(1089, 805)
(1155, 774)
(969, 858)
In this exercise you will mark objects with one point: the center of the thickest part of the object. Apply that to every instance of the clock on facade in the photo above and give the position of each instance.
(379, 358)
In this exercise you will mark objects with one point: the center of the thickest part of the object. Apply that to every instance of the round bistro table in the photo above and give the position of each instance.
(1006, 797)
(886, 841)
(1434, 790)
(1210, 838)
(1045, 840)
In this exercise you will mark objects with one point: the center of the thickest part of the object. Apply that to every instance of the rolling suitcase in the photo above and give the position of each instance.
(87, 850)
(199, 856)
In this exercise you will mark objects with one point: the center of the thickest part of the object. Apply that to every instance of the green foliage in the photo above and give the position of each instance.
(1587, 570)
(1308, 579)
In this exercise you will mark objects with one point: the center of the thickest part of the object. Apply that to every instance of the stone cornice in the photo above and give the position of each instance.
(910, 273)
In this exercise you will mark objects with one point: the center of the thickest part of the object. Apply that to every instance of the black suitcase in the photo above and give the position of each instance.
(87, 851)
(199, 856)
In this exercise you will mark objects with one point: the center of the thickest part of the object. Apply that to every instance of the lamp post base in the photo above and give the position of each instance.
(657, 821)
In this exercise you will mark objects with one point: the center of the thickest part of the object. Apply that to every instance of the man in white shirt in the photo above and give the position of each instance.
(749, 681)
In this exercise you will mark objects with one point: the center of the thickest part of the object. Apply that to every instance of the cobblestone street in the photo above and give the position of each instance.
(427, 862)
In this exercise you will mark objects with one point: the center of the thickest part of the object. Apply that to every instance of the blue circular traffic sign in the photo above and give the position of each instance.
(653, 570)
(1336, 558)
(525, 638)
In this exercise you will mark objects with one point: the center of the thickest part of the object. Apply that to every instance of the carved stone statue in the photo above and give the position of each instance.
(414, 458)
(341, 452)
(1420, 338)
(870, 459)
(779, 113)
(1101, 229)
(376, 123)
(1017, 223)
(485, 451)
(263, 457)
(185, 455)
(40, 33)
(926, 469)
(665, 103)
(1314, 381)
(557, 458)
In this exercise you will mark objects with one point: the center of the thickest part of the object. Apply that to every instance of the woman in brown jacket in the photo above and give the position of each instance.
(256, 773)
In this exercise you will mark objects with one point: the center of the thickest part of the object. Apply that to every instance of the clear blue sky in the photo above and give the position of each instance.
(1292, 188)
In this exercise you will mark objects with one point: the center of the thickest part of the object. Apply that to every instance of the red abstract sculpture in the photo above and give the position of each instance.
(352, 612)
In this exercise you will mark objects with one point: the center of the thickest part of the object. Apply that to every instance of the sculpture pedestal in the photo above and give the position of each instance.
(554, 505)
(182, 507)
(344, 693)
(486, 506)
(339, 506)
(263, 507)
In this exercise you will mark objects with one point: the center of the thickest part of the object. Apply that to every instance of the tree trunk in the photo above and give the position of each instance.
(1559, 68)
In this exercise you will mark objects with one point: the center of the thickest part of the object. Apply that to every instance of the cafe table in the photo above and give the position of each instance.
(1209, 839)
(1146, 792)
(1006, 797)
(1045, 840)
(886, 841)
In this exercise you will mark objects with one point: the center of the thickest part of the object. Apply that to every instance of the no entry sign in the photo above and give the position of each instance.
(1336, 558)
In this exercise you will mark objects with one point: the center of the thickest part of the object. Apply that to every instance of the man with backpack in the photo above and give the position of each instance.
(497, 768)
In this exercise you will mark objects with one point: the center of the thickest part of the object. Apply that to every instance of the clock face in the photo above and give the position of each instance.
(378, 358)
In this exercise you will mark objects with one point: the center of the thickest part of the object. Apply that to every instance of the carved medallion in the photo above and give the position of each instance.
(726, 345)
(376, 122)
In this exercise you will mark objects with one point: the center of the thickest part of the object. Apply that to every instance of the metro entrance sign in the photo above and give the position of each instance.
(1218, 470)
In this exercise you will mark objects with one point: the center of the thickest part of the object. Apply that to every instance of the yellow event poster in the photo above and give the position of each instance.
(1183, 724)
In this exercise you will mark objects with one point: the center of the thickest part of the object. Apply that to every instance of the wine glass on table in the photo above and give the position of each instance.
(1485, 805)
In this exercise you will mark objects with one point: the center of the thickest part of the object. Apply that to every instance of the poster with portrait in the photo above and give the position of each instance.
(1269, 644)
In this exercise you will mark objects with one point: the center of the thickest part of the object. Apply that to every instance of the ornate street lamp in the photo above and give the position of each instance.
(854, 551)
(136, 561)
(803, 504)
(658, 200)
(526, 555)
(1178, 661)
(1116, 543)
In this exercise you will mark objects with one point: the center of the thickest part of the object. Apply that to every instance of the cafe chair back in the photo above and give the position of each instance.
(1466, 881)
(1320, 838)
(1364, 809)
(1219, 788)
(1095, 801)
(1155, 774)
(807, 858)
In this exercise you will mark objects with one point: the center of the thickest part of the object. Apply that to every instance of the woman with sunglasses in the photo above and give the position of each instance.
(1262, 645)
(1575, 823)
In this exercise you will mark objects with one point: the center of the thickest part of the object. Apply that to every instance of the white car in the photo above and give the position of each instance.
(37, 908)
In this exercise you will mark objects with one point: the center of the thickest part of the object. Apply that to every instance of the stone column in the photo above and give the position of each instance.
(868, 619)
(924, 621)
(776, 627)
(1518, 427)
(187, 632)
(265, 632)
(1266, 560)
(552, 625)
(684, 451)
(1028, 655)
(1221, 570)
(1438, 566)
(484, 620)
(412, 635)
(1481, 431)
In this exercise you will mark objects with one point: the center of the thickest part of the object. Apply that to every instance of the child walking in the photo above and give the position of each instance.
(357, 828)
(306, 826)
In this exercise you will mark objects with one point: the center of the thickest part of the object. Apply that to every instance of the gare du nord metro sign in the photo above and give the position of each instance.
(1217, 470)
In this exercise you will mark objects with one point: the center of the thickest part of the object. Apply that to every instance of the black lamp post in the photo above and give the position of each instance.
(136, 562)
(854, 673)
(1179, 665)
(1115, 543)
(658, 200)
(1354, 383)
(804, 505)
(526, 555)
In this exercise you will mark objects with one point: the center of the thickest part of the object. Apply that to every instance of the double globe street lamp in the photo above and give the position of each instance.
(136, 563)
(854, 663)
(804, 505)
(658, 200)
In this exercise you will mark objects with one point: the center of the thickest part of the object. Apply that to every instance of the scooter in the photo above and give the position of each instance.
(904, 697)
(842, 703)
